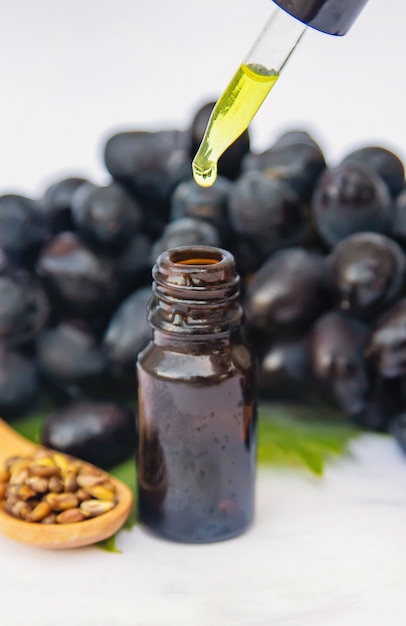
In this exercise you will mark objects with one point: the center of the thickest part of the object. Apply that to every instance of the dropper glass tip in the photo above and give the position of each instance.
(204, 177)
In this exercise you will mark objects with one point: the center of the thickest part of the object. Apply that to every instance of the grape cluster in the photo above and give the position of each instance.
(320, 250)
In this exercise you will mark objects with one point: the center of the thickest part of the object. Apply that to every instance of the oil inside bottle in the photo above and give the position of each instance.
(231, 117)
(197, 262)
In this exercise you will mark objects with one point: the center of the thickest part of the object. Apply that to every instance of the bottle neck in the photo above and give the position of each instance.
(196, 294)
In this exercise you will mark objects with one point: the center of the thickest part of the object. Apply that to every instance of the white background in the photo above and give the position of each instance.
(72, 73)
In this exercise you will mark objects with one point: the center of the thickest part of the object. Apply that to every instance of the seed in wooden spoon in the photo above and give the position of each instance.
(70, 516)
(52, 488)
(40, 512)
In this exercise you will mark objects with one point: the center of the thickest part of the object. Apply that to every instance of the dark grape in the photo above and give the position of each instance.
(247, 255)
(19, 383)
(133, 265)
(57, 202)
(24, 308)
(386, 346)
(77, 280)
(284, 372)
(398, 429)
(350, 198)
(293, 137)
(185, 231)
(367, 271)
(128, 333)
(101, 433)
(287, 292)
(70, 354)
(336, 345)
(209, 204)
(299, 165)
(107, 217)
(398, 229)
(385, 400)
(383, 162)
(149, 163)
(266, 212)
(23, 227)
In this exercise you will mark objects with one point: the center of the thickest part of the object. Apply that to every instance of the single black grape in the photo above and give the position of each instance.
(284, 372)
(398, 229)
(385, 400)
(386, 345)
(128, 333)
(107, 217)
(23, 227)
(293, 137)
(5, 263)
(288, 292)
(266, 212)
(101, 433)
(132, 265)
(77, 280)
(348, 199)
(367, 272)
(229, 164)
(19, 383)
(384, 163)
(24, 308)
(338, 366)
(57, 202)
(185, 231)
(209, 204)
(299, 165)
(247, 255)
(151, 164)
(70, 354)
(398, 429)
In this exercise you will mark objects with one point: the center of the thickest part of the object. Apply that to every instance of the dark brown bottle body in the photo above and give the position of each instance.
(197, 403)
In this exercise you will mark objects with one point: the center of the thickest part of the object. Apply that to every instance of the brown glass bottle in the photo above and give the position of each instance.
(197, 413)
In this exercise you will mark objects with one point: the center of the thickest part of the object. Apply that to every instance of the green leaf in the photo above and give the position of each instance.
(30, 426)
(305, 437)
(109, 545)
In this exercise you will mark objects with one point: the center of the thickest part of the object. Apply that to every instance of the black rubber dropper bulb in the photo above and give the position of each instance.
(334, 17)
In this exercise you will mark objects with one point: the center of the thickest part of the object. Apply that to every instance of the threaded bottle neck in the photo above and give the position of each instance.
(196, 291)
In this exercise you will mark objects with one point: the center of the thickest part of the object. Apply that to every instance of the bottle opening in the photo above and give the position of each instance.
(197, 262)
(185, 257)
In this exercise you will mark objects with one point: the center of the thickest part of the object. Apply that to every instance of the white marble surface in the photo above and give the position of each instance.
(321, 553)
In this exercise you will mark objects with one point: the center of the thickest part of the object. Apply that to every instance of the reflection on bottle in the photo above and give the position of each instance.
(152, 472)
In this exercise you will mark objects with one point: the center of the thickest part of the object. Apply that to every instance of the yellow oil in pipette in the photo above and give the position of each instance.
(231, 116)
(246, 91)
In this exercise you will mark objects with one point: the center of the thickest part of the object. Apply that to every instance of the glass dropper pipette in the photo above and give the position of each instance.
(246, 91)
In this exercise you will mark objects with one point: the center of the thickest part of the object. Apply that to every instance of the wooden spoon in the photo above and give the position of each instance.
(59, 536)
